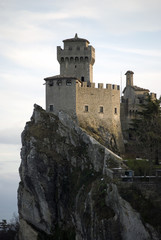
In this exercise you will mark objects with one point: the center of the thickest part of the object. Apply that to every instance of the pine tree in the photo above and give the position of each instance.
(146, 130)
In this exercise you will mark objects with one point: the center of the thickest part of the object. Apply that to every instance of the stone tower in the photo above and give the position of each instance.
(76, 59)
(129, 78)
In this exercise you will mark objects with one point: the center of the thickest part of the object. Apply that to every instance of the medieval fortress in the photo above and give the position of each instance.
(74, 92)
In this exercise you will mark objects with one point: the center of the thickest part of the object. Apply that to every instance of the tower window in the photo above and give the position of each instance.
(59, 82)
(82, 79)
(101, 109)
(115, 110)
(51, 83)
(68, 82)
(51, 108)
(86, 108)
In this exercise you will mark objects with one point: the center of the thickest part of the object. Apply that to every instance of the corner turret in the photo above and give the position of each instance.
(129, 78)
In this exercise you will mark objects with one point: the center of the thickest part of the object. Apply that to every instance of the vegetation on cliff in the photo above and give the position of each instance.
(146, 130)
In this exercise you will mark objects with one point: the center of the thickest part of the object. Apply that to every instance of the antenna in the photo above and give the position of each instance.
(121, 83)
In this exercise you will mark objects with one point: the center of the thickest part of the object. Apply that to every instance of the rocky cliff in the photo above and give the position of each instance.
(67, 190)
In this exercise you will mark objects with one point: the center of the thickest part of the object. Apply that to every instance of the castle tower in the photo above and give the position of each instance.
(76, 59)
(129, 78)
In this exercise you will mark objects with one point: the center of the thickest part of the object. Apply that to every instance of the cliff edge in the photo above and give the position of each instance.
(67, 190)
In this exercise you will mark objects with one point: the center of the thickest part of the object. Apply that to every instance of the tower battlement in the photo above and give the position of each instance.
(76, 54)
(100, 86)
(76, 59)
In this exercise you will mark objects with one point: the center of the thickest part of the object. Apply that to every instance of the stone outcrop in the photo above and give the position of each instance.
(67, 190)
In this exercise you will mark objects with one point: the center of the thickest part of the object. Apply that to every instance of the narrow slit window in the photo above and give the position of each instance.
(86, 108)
(101, 109)
(115, 110)
(51, 108)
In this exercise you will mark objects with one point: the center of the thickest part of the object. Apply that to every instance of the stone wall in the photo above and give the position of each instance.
(100, 108)
(61, 94)
(103, 104)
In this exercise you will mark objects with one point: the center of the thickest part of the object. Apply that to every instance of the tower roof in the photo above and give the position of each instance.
(76, 39)
(129, 72)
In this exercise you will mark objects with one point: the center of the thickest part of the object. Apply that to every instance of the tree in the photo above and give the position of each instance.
(8, 231)
(146, 130)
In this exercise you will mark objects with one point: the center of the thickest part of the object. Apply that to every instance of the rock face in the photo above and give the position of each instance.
(67, 190)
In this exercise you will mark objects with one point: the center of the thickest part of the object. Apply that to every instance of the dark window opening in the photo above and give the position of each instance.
(59, 82)
(101, 109)
(86, 108)
(115, 110)
(82, 79)
(68, 82)
(113, 86)
(51, 108)
(51, 83)
(75, 66)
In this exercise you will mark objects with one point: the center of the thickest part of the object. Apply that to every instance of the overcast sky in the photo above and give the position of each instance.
(125, 34)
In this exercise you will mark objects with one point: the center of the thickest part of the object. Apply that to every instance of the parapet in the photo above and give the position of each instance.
(101, 86)
(76, 54)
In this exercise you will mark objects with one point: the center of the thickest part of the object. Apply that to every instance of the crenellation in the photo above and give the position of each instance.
(92, 85)
(108, 86)
(100, 85)
(84, 84)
